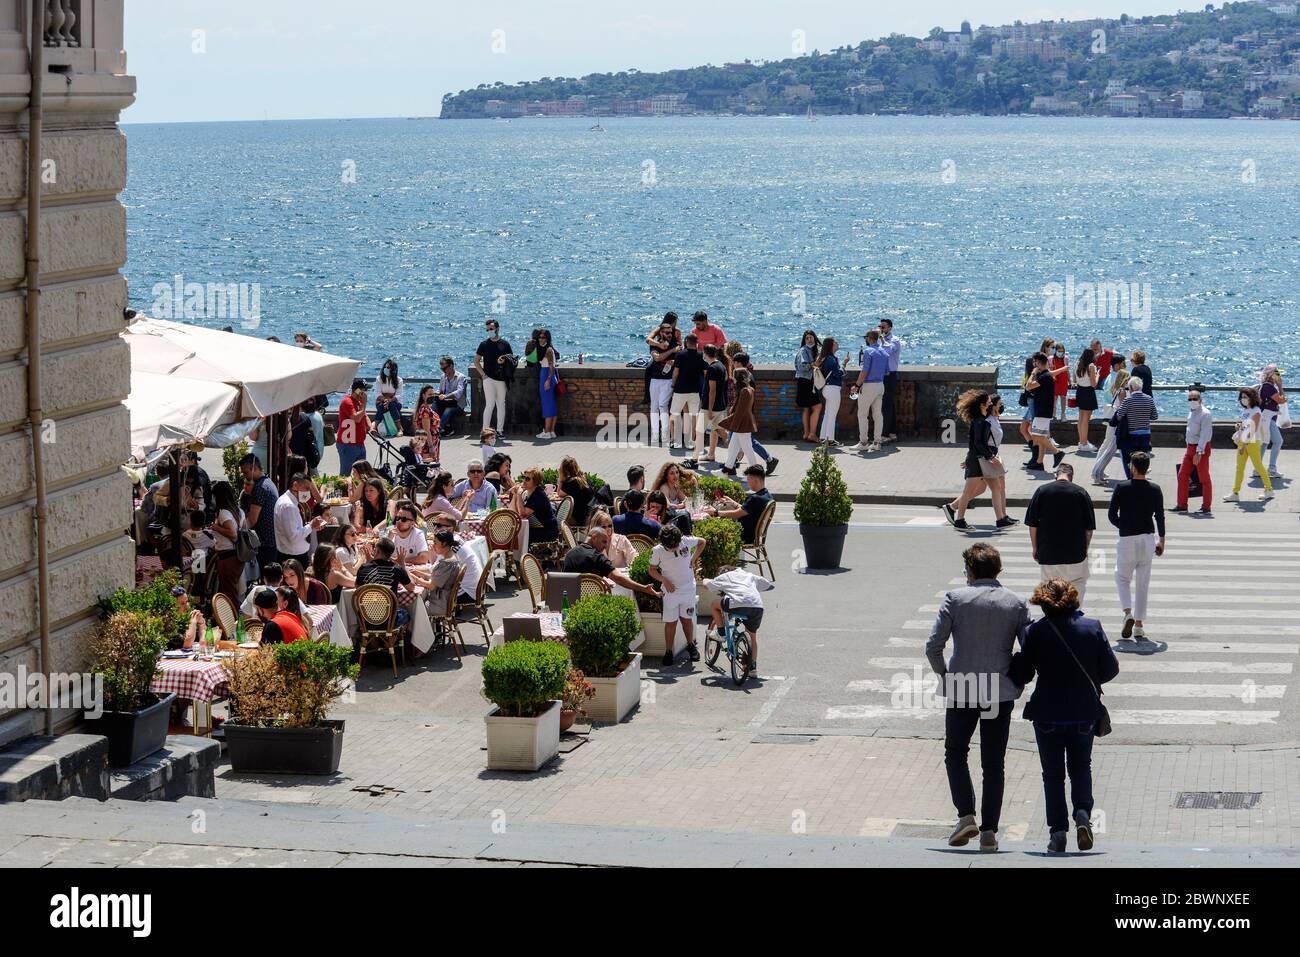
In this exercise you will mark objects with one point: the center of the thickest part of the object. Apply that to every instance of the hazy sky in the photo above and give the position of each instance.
(295, 59)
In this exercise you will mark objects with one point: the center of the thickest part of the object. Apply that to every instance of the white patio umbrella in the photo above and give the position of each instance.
(171, 410)
(271, 377)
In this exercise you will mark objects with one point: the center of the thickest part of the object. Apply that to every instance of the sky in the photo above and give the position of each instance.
(206, 60)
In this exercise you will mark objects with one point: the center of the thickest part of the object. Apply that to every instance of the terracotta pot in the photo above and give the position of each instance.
(567, 717)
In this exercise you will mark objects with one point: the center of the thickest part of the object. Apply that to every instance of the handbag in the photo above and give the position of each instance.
(819, 378)
(247, 543)
(1100, 727)
(388, 426)
(329, 435)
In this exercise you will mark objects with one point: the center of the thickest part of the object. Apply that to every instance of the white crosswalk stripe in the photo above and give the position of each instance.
(1223, 612)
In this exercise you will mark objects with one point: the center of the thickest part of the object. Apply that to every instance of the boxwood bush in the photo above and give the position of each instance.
(523, 677)
(639, 572)
(722, 537)
(711, 485)
(599, 629)
(823, 500)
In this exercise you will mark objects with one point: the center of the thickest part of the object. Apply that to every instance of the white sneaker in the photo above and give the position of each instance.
(1139, 634)
(1232, 497)
(540, 435)
(873, 447)
(1268, 495)
(1087, 447)
(1274, 473)
(855, 447)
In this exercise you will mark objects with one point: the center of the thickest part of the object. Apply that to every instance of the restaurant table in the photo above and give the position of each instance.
(344, 629)
(552, 629)
(199, 682)
(322, 618)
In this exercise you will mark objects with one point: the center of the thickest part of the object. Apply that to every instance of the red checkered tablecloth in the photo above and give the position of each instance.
(148, 567)
(322, 618)
(189, 678)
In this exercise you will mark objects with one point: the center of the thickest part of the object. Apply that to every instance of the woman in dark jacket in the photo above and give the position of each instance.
(1059, 648)
(983, 467)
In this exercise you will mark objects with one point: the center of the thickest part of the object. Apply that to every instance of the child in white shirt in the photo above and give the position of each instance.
(672, 564)
(738, 592)
(487, 444)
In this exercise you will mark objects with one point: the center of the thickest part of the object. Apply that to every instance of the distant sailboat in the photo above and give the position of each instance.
(810, 114)
(596, 129)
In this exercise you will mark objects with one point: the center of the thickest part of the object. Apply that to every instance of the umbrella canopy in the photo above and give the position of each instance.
(171, 410)
(271, 377)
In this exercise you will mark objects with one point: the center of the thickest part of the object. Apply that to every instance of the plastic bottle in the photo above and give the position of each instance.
(564, 606)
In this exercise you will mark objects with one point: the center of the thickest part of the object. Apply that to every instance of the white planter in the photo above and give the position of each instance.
(616, 697)
(654, 644)
(522, 744)
(703, 602)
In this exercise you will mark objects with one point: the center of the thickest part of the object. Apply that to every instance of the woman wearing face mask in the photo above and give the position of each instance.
(388, 394)
(1271, 400)
(548, 384)
(1059, 367)
(1247, 437)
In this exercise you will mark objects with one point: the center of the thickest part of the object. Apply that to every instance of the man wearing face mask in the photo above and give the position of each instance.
(495, 362)
(1200, 430)
(292, 536)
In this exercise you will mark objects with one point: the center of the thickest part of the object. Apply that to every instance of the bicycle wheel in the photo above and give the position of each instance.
(740, 661)
(712, 648)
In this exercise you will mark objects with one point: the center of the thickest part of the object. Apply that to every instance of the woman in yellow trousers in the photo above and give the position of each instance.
(1247, 438)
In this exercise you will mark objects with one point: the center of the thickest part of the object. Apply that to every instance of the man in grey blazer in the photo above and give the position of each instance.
(984, 621)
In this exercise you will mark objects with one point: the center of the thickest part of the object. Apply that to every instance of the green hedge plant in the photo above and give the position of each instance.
(639, 572)
(552, 477)
(711, 485)
(599, 629)
(722, 540)
(823, 500)
(154, 600)
(522, 678)
(125, 650)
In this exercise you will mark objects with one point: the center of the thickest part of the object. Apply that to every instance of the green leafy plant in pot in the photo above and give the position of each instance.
(280, 698)
(599, 629)
(722, 540)
(639, 572)
(522, 678)
(125, 650)
(823, 509)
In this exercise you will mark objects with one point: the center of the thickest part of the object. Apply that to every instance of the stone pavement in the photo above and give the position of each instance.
(900, 474)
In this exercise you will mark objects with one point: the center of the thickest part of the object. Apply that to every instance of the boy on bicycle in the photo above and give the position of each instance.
(739, 596)
(672, 564)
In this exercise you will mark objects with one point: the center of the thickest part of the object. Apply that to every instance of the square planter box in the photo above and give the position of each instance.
(133, 735)
(703, 603)
(616, 697)
(653, 646)
(285, 750)
(522, 744)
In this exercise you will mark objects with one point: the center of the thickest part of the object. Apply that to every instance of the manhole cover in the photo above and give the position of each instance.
(1217, 800)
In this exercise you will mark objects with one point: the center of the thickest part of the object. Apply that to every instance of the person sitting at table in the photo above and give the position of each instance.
(309, 590)
(272, 578)
(635, 483)
(590, 558)
(751, 510)
(572, 483)
(534, 507)
(279, 625)
(617, 548)
(633, 521)
(439, 501)
(447, 547)
(371, 509)
(327, 569)
(498, 473)
(383, 570)
(289, 601)
(656, 507)
(474, 489)
(362, 472)
(412, 546)
(669, 482)
(347, 552)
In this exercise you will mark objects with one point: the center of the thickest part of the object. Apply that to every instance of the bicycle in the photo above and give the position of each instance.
(736, 639)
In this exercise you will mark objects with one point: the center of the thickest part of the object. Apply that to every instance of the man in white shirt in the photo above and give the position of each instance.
(292, 536)
(411, 544)
(1200, 432)
(451, 397)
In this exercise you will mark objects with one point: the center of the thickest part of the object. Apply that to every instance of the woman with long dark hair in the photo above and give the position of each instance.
(828, 365)
(1085, 395)
(388, 394)
(548, 382)
(807, 396)
(983, 466)
(225, 530)
(371, 509)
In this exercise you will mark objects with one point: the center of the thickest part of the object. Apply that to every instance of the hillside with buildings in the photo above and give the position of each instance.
(1242, 59)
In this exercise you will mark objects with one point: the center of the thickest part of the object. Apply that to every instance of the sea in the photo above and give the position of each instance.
(978, 236)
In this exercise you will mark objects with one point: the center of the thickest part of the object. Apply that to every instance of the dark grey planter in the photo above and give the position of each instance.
(285, 750)
(823, 546)
(133, 735)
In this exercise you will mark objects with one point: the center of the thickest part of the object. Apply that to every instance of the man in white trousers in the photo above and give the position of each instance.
(870, 389)
(495, 362)
(1137, 509)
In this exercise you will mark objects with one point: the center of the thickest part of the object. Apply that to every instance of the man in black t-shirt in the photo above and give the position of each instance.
(589, 558)
(494, 361)
(748, 513)
(1060, 520)
(715, 407)
(688, 375)
(1042, 393)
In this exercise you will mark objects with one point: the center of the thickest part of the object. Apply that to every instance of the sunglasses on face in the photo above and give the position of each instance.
(475, 471)
(404, 520)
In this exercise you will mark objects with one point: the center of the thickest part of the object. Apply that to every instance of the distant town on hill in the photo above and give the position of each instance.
(1240, 60)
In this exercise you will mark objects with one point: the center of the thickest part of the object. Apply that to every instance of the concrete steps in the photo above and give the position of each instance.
(41, 768)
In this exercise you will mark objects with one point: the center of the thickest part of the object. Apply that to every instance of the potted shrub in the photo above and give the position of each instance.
(525, 680)
(714, 487)
(651, 609)
(722, 540)
(577, 692)
(823, 509)
(279, 700)
(125, 650)
(154, 601)
(599, 630)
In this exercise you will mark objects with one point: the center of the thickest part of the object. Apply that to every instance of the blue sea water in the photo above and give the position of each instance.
(953, 227)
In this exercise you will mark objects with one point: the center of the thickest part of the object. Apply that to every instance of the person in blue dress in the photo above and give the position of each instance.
(548, 380)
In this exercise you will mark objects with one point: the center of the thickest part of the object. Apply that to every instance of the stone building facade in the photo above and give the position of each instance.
(85, 365)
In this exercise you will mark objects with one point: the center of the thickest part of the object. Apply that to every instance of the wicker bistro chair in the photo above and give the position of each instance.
(642, 543)
(376, 608)
(589, 584)
(534, 579)
(253, 631)
(225, 614)
(477, 610)
(564, 510)
(757, 553)
(446, 624)
(501, 529)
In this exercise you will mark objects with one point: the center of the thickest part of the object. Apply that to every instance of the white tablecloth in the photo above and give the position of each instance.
(344, 630)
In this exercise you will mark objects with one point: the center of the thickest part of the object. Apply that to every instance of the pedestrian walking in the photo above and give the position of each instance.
(1061, 521)
(1071, 658)
(869, 391)
(1026, 401)
(1059, 366)
(1247, 438)
(1133, 423)
(740, 424)
(1086, 377)
(1137, 509)
(984, 621)
(548, 383)
(893, 347)
(983, 466)
(831, 379)
(1109, 446)
(806, 395)
(1196, 457)
(1042, 386)
(495, 361)
(1272, 403)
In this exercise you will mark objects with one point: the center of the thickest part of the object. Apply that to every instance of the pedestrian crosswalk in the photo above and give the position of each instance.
(1223, 624)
